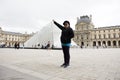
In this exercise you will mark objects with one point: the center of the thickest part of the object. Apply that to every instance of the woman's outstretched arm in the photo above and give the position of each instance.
(58, 25)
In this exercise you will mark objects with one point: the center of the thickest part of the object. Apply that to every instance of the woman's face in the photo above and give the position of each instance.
(66, 25)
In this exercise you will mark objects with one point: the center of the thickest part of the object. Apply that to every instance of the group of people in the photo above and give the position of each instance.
(48, 46)
(17, 45)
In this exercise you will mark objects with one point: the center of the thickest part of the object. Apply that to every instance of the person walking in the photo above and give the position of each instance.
(48, 45)
(15, 45)
(66, 35)
(18, 45)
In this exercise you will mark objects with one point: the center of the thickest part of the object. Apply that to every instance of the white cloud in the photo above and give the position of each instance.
(31, 15)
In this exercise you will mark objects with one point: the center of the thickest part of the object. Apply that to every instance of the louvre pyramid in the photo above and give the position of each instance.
(50, 32)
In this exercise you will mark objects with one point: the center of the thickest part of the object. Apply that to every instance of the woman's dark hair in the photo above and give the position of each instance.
(66, 22)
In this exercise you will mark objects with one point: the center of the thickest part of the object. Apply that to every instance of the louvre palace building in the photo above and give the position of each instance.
(86, 35)
(10, 38)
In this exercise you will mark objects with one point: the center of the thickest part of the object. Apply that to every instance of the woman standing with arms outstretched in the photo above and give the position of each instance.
(66, 35)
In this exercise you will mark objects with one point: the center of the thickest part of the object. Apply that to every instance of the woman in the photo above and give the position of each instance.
(66, 35)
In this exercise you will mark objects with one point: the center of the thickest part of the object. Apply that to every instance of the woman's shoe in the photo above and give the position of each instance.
(65, 66)
(62, 65)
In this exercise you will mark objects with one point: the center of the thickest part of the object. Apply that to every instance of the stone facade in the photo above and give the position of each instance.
(86, 35)
(10, 38)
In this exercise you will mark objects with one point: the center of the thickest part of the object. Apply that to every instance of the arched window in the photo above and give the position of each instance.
(114, 43)
(94, 43)
(82, 43)
(119, 43)
(104, 42)
(109, 43)
(99, 43)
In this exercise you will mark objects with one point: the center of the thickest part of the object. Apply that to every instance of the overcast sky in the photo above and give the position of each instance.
(31, 15)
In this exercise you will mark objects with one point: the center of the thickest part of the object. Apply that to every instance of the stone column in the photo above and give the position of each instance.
(96, 43)
(112, 44)
(106, 44)
(101, 43)
(91, 43)
(117, 45)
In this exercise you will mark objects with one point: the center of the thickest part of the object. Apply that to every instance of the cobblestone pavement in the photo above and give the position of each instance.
(10, 74)
(86, 64)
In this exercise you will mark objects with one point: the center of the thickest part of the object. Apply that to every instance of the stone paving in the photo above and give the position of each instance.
(11, 74)
(86, 64)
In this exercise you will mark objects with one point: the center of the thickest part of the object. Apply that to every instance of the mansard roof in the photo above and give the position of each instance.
(107, 27)
(84, 19)
(12, 33)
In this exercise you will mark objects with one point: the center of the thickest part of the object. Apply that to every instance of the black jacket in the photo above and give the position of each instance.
(67, 33)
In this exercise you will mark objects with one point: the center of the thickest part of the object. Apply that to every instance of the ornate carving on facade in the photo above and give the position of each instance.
(10, 38)
(88, 36)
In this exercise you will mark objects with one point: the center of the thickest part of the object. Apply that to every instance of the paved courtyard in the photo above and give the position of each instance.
(38, 64)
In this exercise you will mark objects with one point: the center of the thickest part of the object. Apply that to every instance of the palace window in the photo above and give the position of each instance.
(114, 43)
(95, 36)
(78, 37)
(94, 43)
(104, 36)
(108, 35)
(81, 37)
(12, 39)
(114, 35)
(119, 43)
(99, 36)
(99, 43)
(114, 30)
(109, 43)
(119, 35)
(87, 36)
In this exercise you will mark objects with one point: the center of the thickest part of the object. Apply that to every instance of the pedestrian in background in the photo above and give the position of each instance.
(15, 45)
(18, 45)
